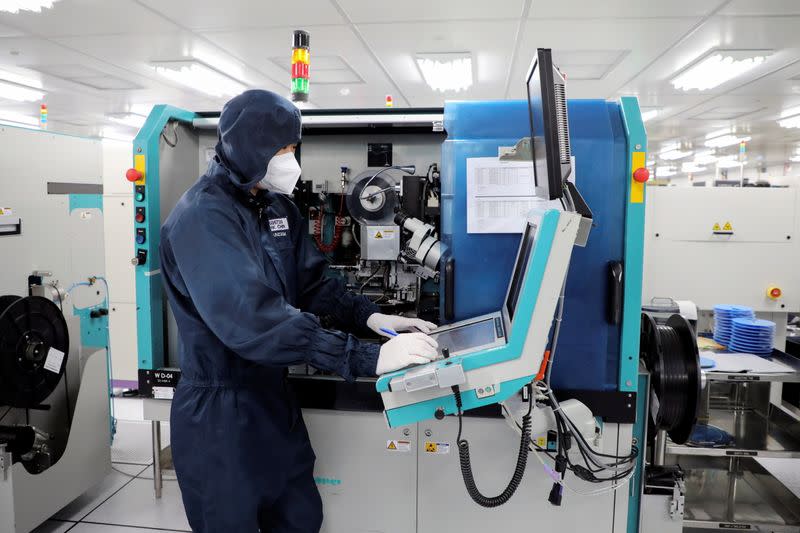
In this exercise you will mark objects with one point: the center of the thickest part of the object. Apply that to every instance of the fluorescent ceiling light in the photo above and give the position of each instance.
(15, 6)
(128, 119)
(674, 155)
(20, 93)
(664, 172)
(11, 118)
(199, 77)
(725, 140)
(791, 122)
(691, 167)
(728, 162)
(446, 72)
(719, 67)
(795, 159)
(706, 157)
(649, 115)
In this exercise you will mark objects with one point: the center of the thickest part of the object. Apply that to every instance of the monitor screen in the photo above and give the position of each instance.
(549, 128)
(520, 267)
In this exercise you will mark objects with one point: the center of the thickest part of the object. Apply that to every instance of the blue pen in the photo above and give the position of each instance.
(388, 331)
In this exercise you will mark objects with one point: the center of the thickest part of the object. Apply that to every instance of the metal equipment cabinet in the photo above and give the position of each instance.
(726, 487)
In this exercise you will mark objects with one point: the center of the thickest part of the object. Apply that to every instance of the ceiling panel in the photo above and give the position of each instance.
(727, 112)
(616, 9)
(645, 42)
(761, 7)
(365, 80)
(588, 64)
(764, 90)
(489, 42)
(88, 17)
(243, 14)
(360, 11)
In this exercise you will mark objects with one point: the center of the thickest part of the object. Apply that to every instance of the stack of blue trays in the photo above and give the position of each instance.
(751, 335)
(723, 321)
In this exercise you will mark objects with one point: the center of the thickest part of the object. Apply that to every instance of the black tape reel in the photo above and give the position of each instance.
(30, 328)
(372, 200)
(670, 354)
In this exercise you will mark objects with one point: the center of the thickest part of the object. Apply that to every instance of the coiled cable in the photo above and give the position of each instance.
(466, 462)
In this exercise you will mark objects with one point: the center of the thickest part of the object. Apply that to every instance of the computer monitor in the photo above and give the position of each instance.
(547, 107)
(520, 267)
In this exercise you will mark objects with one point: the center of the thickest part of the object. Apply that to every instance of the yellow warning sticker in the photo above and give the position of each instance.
(438, 448)
(541, 442)
(379, 235)
(716, 227)
(727, 227)
(402, 446)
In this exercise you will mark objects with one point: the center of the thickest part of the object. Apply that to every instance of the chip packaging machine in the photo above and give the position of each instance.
(564, 264)
(55, 426)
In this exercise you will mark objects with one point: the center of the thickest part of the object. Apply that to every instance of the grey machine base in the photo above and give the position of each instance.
(366, 486)
(28, 500)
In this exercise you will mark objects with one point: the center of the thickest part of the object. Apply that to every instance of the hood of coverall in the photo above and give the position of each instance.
(252, 128)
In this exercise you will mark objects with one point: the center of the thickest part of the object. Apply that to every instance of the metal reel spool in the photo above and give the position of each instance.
(29, 327)
(670, 354)
(372, 201)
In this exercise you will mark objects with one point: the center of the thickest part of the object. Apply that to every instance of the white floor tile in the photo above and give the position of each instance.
(53, 526)
(105, 528)
(98, 494)
(135, 505)
(132, 443)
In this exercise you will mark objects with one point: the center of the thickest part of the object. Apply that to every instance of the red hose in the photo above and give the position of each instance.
(337, 230)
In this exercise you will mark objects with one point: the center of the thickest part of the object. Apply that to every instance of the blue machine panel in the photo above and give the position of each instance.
(588, 352)
(483, 262)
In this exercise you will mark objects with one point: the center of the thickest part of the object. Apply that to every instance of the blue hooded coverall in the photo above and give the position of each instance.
(246, 284)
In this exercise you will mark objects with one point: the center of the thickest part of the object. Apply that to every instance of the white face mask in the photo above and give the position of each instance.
(282, 174)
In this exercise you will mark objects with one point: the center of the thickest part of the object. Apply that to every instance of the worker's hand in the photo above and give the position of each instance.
(404, 350)
(385, 324)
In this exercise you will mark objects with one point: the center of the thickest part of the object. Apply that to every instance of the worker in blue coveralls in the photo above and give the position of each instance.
(246, 286)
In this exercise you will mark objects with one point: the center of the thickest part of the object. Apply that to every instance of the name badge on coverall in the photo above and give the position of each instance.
(279, 226)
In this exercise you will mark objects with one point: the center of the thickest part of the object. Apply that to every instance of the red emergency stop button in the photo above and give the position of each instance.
(641, 175)
(133, 175)
(774, 292)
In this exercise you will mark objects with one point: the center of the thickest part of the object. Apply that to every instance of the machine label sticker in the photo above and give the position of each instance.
(402, 446)
(727, 227)
(437, 448)
(385, 234)
(716, 227)
(6, 211)
(86, 215)
(723, 525)
(55, 358)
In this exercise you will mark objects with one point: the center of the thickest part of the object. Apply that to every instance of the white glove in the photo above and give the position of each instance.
(404, 350)
(378, 321)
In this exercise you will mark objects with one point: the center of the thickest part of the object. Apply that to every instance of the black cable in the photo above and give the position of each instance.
(6, 413)
(466, 463)
(673, 380)
(174, 143)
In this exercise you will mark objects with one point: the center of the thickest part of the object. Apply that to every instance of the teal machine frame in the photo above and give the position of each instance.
(149, 293)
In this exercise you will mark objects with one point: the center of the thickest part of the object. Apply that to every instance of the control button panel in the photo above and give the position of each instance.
(139, 217)
(139, 194)
(141, 236)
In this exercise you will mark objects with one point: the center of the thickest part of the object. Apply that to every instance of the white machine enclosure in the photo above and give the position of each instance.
(66, 240)
(724, 245)
(493, 376)
(687, 259)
